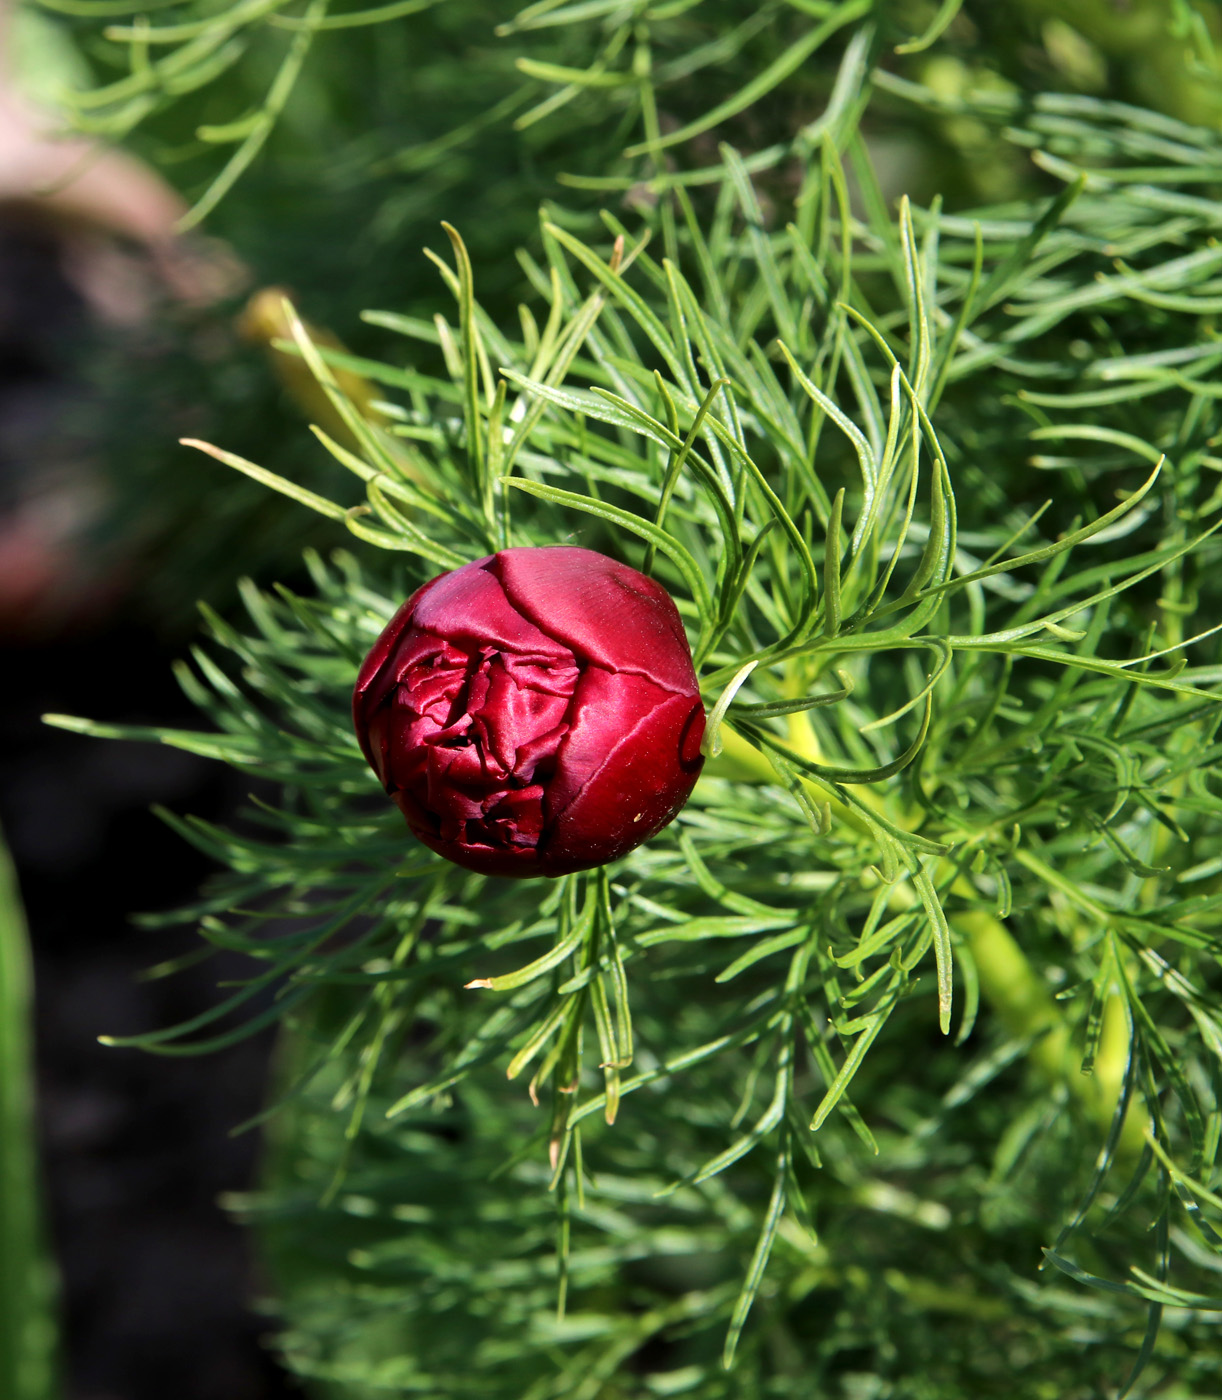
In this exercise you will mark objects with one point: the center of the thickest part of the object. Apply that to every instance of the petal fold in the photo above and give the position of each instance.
(607, 614)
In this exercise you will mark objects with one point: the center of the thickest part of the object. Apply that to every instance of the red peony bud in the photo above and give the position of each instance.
(533, 713)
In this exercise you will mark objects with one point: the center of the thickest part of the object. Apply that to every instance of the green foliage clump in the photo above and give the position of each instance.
(924, 980)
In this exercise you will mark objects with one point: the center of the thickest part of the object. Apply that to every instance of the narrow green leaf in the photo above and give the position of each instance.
(267, 478)
(763, 83)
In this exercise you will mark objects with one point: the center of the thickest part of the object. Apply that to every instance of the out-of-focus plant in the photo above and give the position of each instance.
(28, 1332)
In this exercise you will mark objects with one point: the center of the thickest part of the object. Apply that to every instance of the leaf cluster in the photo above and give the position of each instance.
(924, 979)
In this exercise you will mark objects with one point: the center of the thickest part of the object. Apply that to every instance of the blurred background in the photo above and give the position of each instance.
(120, 333)
(155, 1282)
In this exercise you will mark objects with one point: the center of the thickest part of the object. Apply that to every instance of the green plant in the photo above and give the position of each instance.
(924, 979)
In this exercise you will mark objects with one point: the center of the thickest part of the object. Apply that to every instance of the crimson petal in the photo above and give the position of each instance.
(469, 609)
(606, 613)
(626, 768)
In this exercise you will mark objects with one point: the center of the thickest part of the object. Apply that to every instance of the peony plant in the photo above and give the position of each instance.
(889, 1065)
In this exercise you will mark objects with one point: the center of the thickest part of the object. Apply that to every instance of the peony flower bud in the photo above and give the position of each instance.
(533, 713)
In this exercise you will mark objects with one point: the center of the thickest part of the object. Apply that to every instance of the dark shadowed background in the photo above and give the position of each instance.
(157, 1284)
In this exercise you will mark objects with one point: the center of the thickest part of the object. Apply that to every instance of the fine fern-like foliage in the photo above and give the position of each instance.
(924, 979)
(328, 146)
(174, 70)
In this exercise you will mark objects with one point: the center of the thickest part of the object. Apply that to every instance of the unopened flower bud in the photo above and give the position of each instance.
(534, 712)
